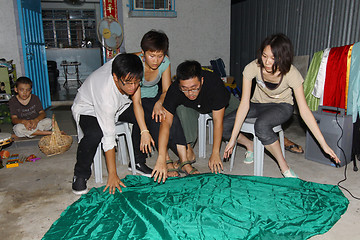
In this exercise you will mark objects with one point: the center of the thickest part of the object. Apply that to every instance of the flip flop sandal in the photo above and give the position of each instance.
(290, 148)
(186, 173)
(177, 162)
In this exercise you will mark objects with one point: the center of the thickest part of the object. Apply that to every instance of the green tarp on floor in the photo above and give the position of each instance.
(205, 206)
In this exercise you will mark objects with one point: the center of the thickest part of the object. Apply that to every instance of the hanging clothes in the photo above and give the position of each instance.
(318, 91)
(312, 101)
(335, 84)
(348, 64)
(353, 102)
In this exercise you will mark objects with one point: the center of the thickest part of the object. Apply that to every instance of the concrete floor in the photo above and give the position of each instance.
(33, 195)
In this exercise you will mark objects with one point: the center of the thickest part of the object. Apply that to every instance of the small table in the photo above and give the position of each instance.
(65, 65)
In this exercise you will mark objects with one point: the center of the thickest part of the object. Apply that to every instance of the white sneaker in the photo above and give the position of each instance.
(249, 157)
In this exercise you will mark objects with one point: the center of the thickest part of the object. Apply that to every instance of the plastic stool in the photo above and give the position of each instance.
(248, 127)
(122, 133)
(202, 121)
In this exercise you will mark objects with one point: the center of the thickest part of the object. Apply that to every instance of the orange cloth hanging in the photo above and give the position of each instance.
(348, 62)
(335, 82)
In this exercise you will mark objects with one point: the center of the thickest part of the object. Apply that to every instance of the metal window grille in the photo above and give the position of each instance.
(152, 4)
(152, 8)
(69, 28)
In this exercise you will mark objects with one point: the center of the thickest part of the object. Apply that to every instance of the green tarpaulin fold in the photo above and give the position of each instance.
(205, 206)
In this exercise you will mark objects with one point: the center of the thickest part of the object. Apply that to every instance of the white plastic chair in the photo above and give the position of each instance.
(248, 127)
(122, 135)
(202, 121)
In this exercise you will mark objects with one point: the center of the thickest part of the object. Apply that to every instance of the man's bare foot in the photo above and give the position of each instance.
(45, 133)
(292, 147)
(171, 170)
(14, 137)
(41, 133)
(190, 154)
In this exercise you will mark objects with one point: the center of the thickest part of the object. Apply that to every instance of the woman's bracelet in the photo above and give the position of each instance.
(143, 131)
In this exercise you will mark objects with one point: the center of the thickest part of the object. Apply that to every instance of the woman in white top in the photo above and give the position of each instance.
(272, 102)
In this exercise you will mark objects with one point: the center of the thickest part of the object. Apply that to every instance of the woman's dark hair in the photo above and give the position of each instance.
(282, 50)
(127, 63)
(155, 41)
(188, 69)
(23, 80)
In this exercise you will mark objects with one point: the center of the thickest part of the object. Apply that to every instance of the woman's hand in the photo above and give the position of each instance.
(160, 171)
(114, 182)
(158, 112)
(146, 142)
(229, 148)
(331, 153)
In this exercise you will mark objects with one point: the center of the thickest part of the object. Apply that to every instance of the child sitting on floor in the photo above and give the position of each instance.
(27, 113)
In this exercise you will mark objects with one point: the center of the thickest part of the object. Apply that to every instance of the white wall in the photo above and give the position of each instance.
(9, 45)
(201, 31)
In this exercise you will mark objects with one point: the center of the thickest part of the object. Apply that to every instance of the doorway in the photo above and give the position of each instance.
(72, 49)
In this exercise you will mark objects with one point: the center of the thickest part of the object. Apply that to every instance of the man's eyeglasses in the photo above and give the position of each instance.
(135, 82)
(194, 90)
(191, 90)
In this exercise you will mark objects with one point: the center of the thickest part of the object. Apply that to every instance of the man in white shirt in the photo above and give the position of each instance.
(105, 92)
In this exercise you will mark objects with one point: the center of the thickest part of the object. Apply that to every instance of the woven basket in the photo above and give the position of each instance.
(56, 143)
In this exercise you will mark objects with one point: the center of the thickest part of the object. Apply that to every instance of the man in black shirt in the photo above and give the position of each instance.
(203, 91)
